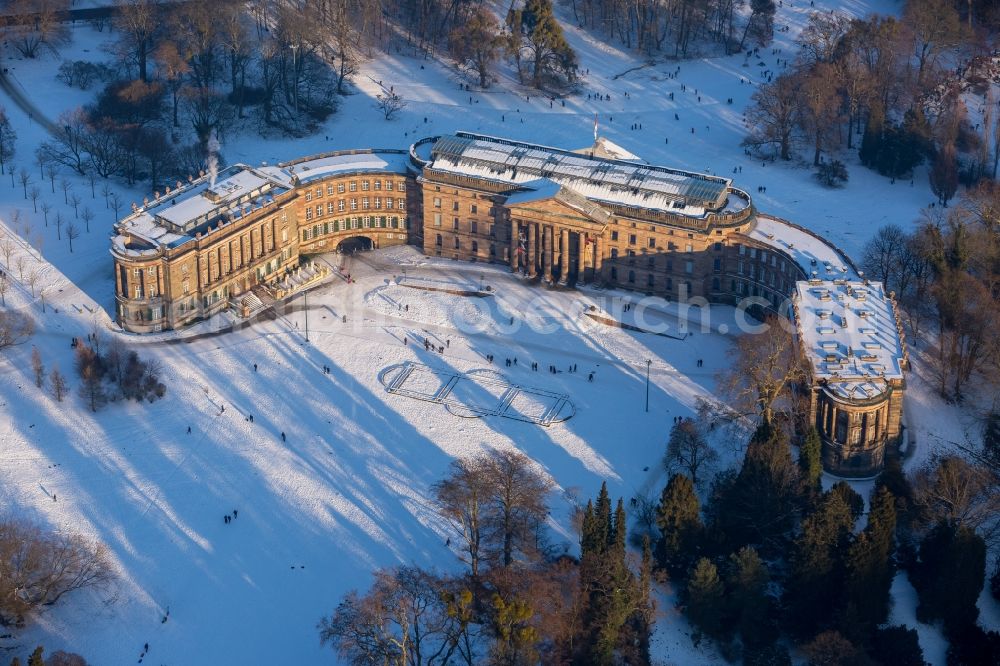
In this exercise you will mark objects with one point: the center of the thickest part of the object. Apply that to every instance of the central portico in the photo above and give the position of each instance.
(557, 233)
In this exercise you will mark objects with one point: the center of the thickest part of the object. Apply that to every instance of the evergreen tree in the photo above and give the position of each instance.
(991, 440)
(610, 594)
(679, 521)
(854, 501)
(749, 606)
(995, 582)
(811, 460)
(602, 518)
(973, 646)
(893, 479)
(36, 658)
(539, 33)
(897, 646)
(761, 505)
(771, 655)
(704, 599)
(832, 649)
(816, 578)
(949, 576)
(870, 569)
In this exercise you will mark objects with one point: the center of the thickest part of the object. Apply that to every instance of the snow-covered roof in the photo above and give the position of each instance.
(816, 256)
(239, 187)
(849, 335)
(599, 179)
(535, 190)
(176, 217)
(326, 165)
(608, 149)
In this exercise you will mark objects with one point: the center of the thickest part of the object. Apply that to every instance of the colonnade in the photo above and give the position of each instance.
(558, 254)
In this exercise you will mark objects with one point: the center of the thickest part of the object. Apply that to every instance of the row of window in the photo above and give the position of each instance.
(651, 281)
(457, 244)
(366, 184)
(391, 203)
(764, 256)
(473, 225)
(651, 243)
(347, 223)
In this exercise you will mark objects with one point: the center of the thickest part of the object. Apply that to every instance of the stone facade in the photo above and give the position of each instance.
(551, 218)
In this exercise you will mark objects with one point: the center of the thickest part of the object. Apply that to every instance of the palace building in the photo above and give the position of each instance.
(243, 238)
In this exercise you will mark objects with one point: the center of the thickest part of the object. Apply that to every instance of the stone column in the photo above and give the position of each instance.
(514, 240)
(581, 259)
(532, 249)
(547, 253)
(600, 270)
(564, 258)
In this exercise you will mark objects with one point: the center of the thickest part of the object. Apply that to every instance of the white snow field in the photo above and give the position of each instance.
(348, 491)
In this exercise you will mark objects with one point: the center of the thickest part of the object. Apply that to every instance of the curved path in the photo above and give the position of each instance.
(15, 92)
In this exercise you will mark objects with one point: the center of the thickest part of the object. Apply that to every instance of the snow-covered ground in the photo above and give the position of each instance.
(348, 490)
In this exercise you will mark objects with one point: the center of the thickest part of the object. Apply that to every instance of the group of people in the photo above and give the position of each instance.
(230, 517)
(429, 347)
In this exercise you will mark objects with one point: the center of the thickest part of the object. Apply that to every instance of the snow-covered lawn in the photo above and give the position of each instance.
(348, 490)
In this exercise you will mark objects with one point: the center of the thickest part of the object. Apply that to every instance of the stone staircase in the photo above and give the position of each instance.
(249, 305)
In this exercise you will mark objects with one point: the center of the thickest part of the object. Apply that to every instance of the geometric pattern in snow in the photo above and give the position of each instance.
(477, 393)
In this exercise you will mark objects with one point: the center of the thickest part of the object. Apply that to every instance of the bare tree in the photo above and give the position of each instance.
(46, 209)
(34, 275)
(106, 192)
(688, 450)
(45, 30)
(116, 203)
(773, 116)
(4, 285)
(58, 384)
(517, 504)
(390, 104)
(92, 387)
(958, 491)
(41, 567)
(34, 193)
(74, 201)
(764, 367)
(461, 497)
(883, 254)
(59, 223)
(20, 263)
(68, 145)
(408, 618)
(943, 174)
(66, 187)
(92, 177)
(967, 319)
(87, 216)
(72, 233)
(8, 138)
(6, 249)
(37, 366)
(24, 178)
(15, 328)
(140, 24)
(51, 171)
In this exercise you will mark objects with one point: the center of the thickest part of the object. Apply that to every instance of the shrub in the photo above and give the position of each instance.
(832, 173)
